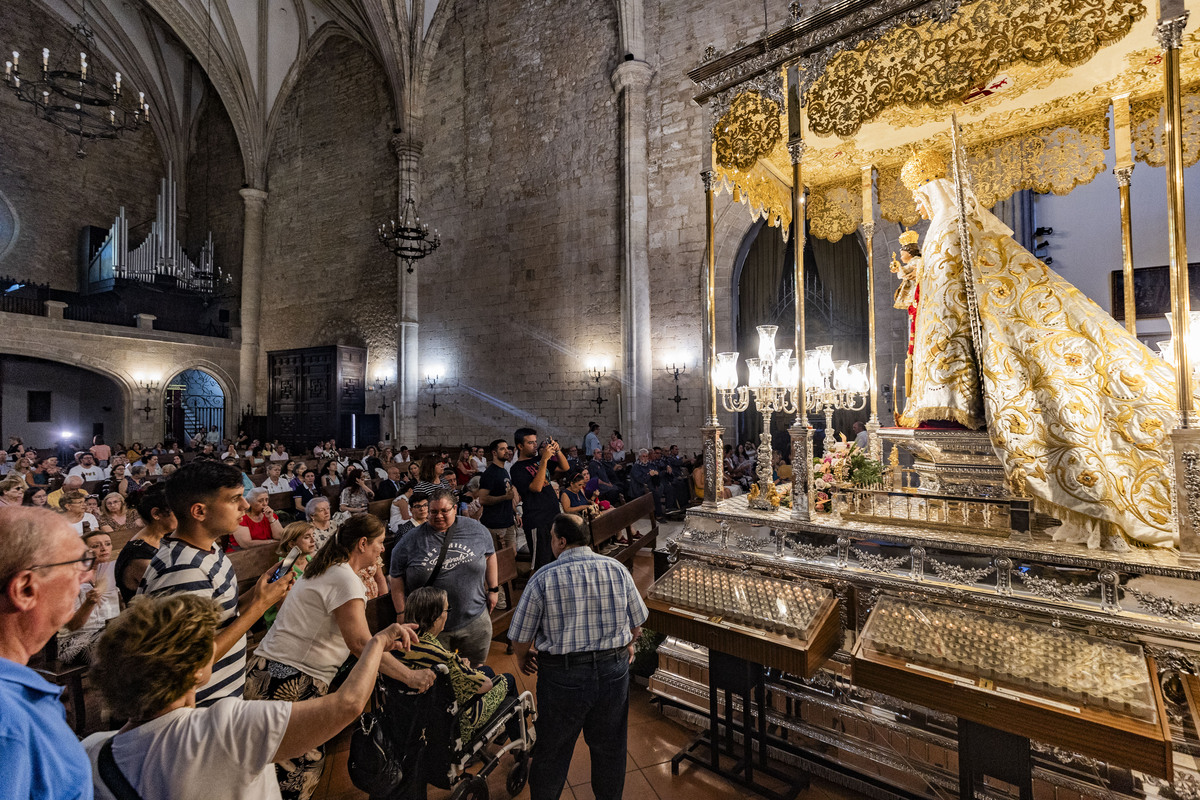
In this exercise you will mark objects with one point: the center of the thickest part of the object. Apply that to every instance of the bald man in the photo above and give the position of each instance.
(43, 563)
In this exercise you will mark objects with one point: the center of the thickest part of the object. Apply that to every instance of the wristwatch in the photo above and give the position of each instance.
(494, 590)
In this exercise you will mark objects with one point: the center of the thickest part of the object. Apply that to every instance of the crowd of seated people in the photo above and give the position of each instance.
(164, 522)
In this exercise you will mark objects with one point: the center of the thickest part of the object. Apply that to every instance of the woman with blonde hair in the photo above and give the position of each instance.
(149, 663)
(116, 516)
(297, 534)
(323, 621)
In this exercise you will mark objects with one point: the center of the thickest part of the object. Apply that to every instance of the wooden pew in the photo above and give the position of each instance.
(622, 518)
(250, 564)
(282, 501)
(506, 573)
(381, 509)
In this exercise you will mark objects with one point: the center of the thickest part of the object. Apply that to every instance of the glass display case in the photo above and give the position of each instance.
(1087, 694)
(789, 624)
(1020, 658)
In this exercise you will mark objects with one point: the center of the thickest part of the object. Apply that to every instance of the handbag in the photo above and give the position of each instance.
(377, 762)
(374, 762)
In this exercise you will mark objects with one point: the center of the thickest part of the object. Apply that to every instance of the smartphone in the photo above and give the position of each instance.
(286, 565)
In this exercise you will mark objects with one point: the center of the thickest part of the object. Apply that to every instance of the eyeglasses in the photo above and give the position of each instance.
(85, 563)
(434, 512)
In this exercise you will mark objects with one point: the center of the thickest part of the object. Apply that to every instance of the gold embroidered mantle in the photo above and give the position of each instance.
(1077, 409)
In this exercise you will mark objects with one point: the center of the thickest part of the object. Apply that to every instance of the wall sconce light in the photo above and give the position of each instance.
(675, 369)
(432, 378)
(149, 383)
(382, 383)
(596, 371)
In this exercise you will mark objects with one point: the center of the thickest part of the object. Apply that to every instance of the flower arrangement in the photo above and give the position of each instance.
(842, 464)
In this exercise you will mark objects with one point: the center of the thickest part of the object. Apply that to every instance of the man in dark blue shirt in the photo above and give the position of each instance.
(531, 475)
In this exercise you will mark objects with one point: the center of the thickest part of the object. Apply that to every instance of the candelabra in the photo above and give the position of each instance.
(432, 379)
(675, 370)
(840, 385)
(774, 384)
(596, 371)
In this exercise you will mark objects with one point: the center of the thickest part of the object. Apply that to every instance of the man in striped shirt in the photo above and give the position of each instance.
(207, 500)
(575, 626)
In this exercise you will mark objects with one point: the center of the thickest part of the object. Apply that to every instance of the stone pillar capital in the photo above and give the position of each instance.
(631, 75)
(253, 197)
(405, 147)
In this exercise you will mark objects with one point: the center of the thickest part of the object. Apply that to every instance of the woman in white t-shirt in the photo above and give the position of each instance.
(149, 662)
(322, 621)
(74, 505)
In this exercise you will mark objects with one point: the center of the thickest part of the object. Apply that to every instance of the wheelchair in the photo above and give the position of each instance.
(446, 760)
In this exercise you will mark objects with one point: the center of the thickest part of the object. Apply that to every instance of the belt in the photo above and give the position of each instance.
(569, 660)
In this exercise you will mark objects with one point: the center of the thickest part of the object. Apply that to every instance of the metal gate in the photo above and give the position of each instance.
(194, 400)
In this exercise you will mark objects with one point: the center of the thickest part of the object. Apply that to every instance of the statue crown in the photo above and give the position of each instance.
(921, 168)
(909, 237)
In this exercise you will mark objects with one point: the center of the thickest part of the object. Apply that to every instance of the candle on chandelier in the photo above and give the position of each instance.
(45, 58)
(83, 65)
(112, 117)
(7, 69)
(118, 84)
(16, 59)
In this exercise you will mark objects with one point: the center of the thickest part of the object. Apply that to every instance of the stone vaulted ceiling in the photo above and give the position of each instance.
(252, 52)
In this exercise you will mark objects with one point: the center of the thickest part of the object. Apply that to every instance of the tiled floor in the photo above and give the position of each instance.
(653, 740)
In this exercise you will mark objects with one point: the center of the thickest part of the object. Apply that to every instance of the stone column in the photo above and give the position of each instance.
(408, 376)
(630, 80)
(252, 251)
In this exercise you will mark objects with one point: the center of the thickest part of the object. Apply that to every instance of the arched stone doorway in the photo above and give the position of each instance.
(193, 400)
(54, 405)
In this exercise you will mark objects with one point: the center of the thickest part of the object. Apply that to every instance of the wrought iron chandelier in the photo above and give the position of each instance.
(409, 239)
(83, 101)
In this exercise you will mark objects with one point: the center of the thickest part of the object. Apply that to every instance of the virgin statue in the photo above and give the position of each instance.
(1077, 409)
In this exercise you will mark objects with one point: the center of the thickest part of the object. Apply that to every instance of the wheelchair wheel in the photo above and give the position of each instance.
(472, 787)
(518, 776)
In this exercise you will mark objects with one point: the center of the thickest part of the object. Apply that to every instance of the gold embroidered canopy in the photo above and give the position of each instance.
(1032, 83)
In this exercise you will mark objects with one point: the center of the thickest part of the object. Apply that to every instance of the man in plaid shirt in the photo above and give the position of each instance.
(575, 627)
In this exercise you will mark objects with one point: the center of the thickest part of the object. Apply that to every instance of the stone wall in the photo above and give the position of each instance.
(214, 176)
(331, 179)
(677, 35)
(522, 176)
(53, 193)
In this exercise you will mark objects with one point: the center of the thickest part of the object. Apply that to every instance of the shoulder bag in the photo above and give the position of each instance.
(114, 780)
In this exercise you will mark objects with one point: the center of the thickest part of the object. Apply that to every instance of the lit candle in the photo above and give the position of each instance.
(83, 65)
(112, 117)
(118, 83)
(7, 69)
(45, 58)
(16, 59)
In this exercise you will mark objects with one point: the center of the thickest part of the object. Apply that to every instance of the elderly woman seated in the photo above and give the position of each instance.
(259, 525)
(478, 691)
